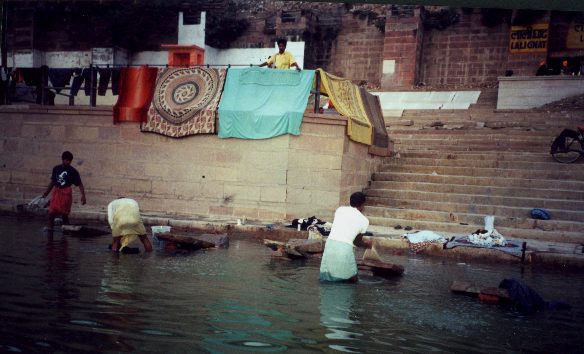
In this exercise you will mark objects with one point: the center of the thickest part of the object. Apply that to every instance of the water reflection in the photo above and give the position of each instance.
(336, 303)
(71, 295)
(119, 291)
(237, 327)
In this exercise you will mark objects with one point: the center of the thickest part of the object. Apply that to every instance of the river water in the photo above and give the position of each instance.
(70, 294)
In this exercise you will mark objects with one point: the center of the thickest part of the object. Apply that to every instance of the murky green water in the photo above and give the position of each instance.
(70, 294)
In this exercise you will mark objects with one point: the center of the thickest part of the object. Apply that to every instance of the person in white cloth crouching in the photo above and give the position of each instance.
(349, 224)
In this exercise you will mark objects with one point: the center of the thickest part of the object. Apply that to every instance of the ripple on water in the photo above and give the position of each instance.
(71, 294)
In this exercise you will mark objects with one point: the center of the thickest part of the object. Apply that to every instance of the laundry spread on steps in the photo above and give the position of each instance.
(420, 240)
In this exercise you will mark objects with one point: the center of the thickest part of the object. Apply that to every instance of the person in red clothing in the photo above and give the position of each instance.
(62, 178)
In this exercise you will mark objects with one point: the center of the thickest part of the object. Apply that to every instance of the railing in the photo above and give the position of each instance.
(44, 89)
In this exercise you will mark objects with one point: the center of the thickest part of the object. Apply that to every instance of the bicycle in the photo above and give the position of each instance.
(568, 147)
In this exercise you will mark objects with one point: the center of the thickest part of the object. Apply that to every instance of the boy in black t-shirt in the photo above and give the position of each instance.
(62, 178)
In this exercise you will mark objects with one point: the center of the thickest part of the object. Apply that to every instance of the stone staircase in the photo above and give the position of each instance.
(451, 168)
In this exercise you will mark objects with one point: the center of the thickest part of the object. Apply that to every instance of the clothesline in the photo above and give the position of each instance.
(137, 65)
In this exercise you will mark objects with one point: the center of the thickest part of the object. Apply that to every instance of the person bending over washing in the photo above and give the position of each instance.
(123, 216)
(62, 178)
(349, 224)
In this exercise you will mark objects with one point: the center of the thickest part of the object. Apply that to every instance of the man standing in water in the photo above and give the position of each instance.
(283, 59)
(62, 178)
(123, 216)
(349, 224)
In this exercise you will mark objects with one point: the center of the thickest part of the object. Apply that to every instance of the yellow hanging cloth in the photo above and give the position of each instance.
(346, 99)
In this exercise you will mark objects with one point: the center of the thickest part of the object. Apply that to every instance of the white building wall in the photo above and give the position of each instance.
(149, 58)
(247, 56)
(75, 59)
(191, 34)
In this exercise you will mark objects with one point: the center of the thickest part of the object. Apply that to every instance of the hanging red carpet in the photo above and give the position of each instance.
(185, 102)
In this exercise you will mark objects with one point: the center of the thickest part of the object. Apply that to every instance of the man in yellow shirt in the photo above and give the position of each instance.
(282, 59)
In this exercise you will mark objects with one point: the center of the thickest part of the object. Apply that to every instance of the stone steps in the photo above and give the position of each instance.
(512, 207)
(420, 146)
(477, 219)
(534, 232)
(469, 145)
(387, 189)
(447, 178)
(458, 136)
(474, 220)
(547, 164)
(489, 114)
(553, 184)
(473, 156)
(559, 174)
(470, 130)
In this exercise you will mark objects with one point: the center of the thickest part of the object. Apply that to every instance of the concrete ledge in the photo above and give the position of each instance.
(525, 92)
(388, 244)
(393, 103)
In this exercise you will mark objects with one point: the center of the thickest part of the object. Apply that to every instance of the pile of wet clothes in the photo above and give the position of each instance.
(323, 227)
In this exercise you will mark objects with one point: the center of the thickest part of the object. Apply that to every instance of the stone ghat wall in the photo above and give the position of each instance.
(268, 180)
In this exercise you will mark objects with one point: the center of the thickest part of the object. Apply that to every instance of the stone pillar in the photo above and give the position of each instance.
(401, 49)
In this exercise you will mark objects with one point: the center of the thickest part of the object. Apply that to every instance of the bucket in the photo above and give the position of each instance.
(159, 230)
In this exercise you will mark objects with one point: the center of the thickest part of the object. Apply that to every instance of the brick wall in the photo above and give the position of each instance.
(526, 64)
(401, 49)
(466, 54)
(357, 52)
(270, 180)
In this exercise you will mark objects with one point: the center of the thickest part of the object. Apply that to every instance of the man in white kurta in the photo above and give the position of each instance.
(349, 224)
(123, 216)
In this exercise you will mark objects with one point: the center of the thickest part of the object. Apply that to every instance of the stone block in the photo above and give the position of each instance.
(109, 133)
(298, 195)
(299, 178)
(228, 158)
(265, 160)
(157, 170)
(324, 198)
(164, 188)
(273, 194)
(326, 180)
(226, 174)
(272, 215)
(321, 144)
(248, 211)
(250, 175)
(220, 210)
(131, 186)
(239, 193)
(82, 133)
(213, 189)
(301, 160)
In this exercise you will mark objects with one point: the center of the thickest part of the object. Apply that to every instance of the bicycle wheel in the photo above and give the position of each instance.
(569, 152)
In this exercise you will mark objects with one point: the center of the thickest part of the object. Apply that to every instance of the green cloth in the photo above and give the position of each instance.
(338, 261)
(263, 103)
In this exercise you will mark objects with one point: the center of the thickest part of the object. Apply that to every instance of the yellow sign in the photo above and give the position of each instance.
(529, 39)
(575, 38)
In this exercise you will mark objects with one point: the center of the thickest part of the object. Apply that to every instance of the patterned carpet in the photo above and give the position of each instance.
(185, 101)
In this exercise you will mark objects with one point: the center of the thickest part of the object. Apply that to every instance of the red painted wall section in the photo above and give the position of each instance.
(402, 45)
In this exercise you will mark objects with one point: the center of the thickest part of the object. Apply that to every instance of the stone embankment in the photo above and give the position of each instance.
(566, 256)
(451, 168)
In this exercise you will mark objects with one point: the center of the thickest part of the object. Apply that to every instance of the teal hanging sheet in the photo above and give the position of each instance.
(263, 103)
